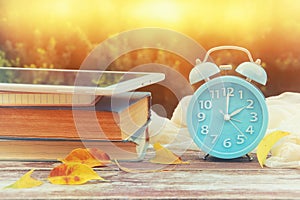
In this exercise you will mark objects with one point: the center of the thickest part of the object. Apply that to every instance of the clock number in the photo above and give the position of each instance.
(240, 139)
(214, 138)
(214, 94)
(201, 116)
(254, 117)
(227, 143)
(250, 130)
(228, 91)
(204, 130)
(241, 94)
(205, 104)
(250, 104)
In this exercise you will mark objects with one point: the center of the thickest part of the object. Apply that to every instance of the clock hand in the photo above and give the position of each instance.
(237, 111)
(237, 128)
(221, 111)
(236, 120)
(227, 103)
(227, 117)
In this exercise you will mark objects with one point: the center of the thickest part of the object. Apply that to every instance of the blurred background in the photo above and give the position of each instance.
(61, 33)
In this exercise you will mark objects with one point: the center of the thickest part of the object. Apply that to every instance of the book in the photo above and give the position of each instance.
(114, 117)
(52, 149)
(46, 99)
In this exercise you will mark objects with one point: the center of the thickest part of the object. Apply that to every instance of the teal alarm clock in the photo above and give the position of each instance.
(227, 116)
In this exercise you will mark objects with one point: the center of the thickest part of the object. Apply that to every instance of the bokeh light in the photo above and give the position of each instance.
(61, 33)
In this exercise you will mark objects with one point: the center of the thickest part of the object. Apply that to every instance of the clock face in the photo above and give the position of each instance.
(227, 117)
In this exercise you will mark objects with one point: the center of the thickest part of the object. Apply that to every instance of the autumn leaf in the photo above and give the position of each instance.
(26, 181)
(266, 144)
(92, 157)
(72, 174)
(165, 156)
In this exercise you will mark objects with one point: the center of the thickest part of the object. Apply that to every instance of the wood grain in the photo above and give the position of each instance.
(211, 179)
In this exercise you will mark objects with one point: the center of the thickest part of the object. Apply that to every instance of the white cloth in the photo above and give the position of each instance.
(284, 114)
(173, 133)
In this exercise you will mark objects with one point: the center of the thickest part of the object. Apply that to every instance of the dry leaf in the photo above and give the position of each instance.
(92, 157)
(72, 174)
(165, 156)
(26, 181)
(266, 144)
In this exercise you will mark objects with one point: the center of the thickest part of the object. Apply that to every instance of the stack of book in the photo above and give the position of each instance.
(35, 132)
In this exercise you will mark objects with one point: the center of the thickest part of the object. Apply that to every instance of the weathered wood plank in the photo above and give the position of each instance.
(213, 179)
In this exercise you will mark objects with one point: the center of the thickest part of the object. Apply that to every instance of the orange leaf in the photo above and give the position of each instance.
(72, 174)
(26, 181)
(165, 156)
(92, 157)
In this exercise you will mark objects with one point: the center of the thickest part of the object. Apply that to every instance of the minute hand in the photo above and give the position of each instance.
(237, 111)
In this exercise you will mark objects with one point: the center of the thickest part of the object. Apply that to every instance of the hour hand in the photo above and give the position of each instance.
(228, 118)
(237, 111)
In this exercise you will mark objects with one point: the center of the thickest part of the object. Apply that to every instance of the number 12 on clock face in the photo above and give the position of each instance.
(229, 117)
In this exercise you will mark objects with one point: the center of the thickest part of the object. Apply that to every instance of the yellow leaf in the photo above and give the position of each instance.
(72, 174)
(266, 144)
(92, 157)
(165, 156)
(26, 181)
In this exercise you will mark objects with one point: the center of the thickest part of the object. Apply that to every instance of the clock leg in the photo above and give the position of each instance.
(205, 157)
(250, 158)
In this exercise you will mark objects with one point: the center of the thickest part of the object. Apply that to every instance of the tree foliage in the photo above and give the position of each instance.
(63, 42)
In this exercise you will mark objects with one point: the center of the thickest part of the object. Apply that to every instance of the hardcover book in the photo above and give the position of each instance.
(52, 149)
(112, 117)
(115, 124)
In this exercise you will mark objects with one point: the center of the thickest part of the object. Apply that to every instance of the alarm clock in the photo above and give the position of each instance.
(227, 116)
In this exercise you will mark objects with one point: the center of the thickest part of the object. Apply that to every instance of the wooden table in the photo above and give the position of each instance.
(211, 179)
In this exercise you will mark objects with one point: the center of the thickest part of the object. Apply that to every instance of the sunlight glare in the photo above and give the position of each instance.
(61, 8)
(166, 11)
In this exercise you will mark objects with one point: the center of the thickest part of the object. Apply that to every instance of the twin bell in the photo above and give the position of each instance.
(251, 70)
